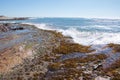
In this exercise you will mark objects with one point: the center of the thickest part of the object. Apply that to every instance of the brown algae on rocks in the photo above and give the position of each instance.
(66, 48)
(115, 47)
(44, 63)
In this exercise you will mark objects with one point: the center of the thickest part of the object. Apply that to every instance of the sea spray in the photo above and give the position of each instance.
(84, 37)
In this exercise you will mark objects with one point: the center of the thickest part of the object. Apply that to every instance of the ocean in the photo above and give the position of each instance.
(84, 31)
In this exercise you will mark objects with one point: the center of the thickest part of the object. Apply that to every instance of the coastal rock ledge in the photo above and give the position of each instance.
(29, 53)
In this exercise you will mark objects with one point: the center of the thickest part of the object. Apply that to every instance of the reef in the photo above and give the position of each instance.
(29, 53)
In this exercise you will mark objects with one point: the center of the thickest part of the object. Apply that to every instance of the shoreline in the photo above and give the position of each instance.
(4, 18)
(84, 37)
(53, 56)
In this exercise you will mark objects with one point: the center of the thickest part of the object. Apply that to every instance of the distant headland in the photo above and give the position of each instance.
(4, 18)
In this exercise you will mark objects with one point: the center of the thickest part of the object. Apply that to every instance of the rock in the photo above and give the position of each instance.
(4, 28)
(17, 28)
(97, 66)
(80, 78)
(102, 78)
(87, 72)
(7, 27)
(5, 18)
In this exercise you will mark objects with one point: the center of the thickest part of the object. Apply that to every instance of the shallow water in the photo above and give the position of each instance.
(83, 30)
(71, 56)
(95, 32)
(11, 38)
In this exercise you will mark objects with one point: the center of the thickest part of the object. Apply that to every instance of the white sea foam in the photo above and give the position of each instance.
(92, 38)
(86, 38)
(33, 18)
(42, 26)
(102, 27)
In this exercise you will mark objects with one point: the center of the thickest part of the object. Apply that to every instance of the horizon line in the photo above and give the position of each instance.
(65, 17)
(75, 17)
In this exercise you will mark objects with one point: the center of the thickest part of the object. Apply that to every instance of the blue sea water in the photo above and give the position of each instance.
(83, 30)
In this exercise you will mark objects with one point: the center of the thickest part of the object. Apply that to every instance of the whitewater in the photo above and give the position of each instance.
(83, 30)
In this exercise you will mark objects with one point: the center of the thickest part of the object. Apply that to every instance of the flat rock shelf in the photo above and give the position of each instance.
(29, 53)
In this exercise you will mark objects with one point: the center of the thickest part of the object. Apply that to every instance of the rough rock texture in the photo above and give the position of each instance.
(4, 28)
(29, 53)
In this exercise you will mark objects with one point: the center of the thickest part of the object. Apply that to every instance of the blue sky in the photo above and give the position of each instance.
(61, 8)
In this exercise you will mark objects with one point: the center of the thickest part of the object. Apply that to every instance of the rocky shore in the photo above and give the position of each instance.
(4, 18)
(29, 53)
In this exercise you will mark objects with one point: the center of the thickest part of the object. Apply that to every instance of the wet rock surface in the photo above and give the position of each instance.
(29, 53)
(4, 28)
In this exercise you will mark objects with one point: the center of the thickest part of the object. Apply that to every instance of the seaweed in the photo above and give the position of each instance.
(54, 66)
(115, 47)
(66, 48)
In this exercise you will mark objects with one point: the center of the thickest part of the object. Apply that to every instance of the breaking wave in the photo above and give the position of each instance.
(86, 37)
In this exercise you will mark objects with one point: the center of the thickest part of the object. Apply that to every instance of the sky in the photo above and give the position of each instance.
(61, 8)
